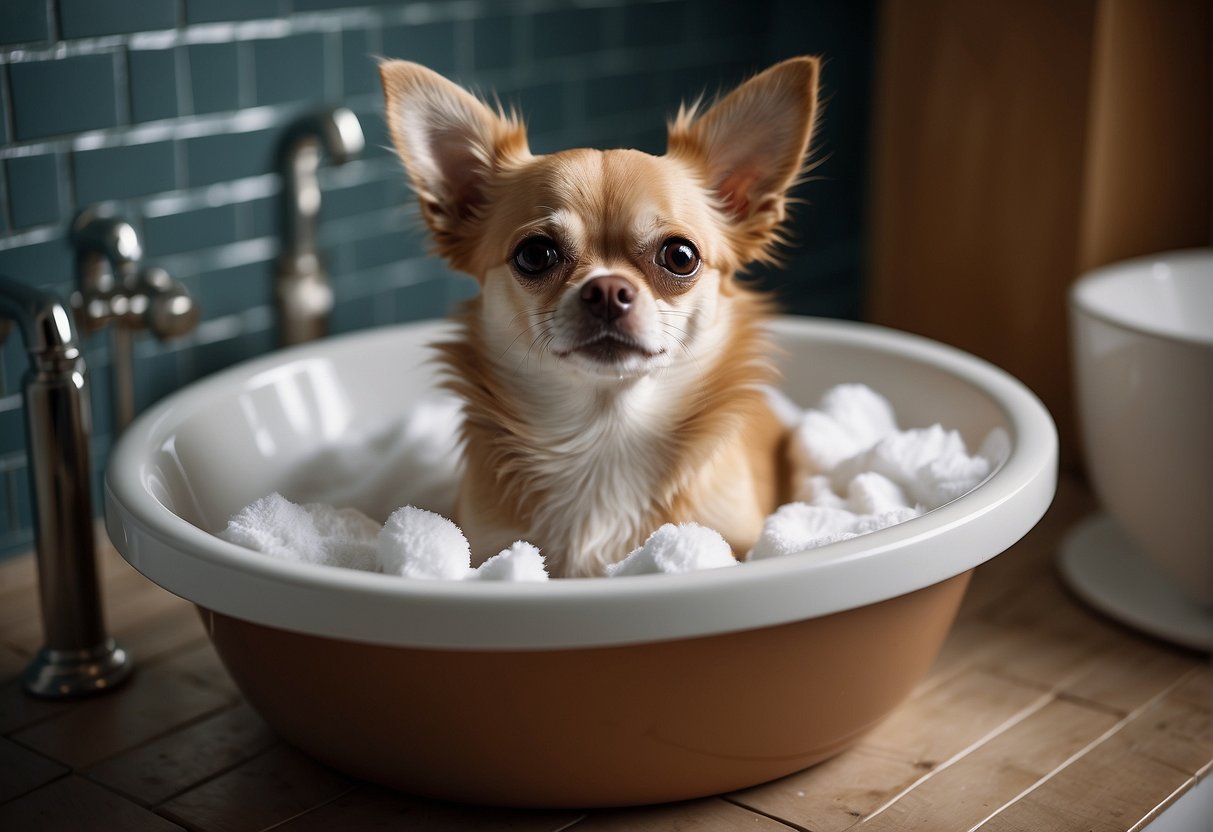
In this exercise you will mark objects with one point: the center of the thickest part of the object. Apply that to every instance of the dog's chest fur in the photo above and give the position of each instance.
(587, 471)
(598, 470)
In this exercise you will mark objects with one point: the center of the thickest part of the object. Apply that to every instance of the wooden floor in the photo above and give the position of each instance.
(1038, 715)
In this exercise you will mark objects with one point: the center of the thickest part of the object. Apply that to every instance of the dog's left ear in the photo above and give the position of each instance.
(751, 147)
(451, 144)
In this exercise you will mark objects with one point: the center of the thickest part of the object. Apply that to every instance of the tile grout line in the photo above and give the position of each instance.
(1102, 738)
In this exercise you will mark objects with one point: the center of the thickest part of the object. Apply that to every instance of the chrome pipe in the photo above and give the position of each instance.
(78, 657)
(112, 288)
(302, 291)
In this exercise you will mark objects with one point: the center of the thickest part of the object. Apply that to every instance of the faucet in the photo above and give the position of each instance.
(112, 288)
(78, 657)
(301, 286)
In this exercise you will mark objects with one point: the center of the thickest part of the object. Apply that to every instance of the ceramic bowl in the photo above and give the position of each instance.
(568, 693)
(1143, 363)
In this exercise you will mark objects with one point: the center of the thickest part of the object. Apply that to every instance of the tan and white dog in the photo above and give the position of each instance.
(612, 366)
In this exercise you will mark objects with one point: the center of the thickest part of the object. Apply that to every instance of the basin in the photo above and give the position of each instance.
(569, 693)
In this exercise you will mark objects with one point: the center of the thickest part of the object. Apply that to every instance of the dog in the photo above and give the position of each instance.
(613, 367)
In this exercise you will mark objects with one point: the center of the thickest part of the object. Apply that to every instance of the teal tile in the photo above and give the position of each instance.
(214, 11)
(33, 190)
(289, 69)
(4, 137)
(101, 398)
(123, 172)
(48, 265)
(663, 24)
(86, 18)
(543, 106)
(227, 156)
(24, 21)
(493, 43)
(23, 519)
(567, 32)
(431, 44)
(388, 248)
(359, 73)
(157, 375)
(63, 96)
(259, 218)
(354, 314)
(374, 130)
(12, 423)
(214, 77)
(153, 79)
(231, 291)
(356, 199)
(619, 94)
(189, 231)
(6, 519)
(420, 301)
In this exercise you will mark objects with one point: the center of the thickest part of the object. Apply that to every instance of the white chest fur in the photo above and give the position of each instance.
(599, 462)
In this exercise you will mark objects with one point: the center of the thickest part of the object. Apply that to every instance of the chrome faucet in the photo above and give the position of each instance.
(301, 285)
(78, 657)
(113, 289)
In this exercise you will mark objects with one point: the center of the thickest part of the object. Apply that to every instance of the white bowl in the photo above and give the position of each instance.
(575, 692)
(1143, 362)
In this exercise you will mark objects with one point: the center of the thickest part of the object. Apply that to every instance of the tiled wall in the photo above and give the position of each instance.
(170, 110)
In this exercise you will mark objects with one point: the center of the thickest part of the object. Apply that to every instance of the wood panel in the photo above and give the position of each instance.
(979, 140)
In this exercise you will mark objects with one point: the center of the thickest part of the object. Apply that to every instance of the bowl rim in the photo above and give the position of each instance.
(1089, 282)
(483, 615)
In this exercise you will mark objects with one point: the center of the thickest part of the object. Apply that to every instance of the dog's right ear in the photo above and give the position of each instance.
(450, 143)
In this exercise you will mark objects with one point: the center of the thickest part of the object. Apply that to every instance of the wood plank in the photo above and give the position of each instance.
(939, 724)
(1124, 678)
(371, 808)
(1122, 779)
(967, 792)
(72, 804)
(834, 795)
(1196, 689)
(21, 770)
(1045, 637)
(19, 710)
(12, 662)
(708, 815)
(162, 768)
(269, 789)
(155, 701)
(176, 629)
(127, 599)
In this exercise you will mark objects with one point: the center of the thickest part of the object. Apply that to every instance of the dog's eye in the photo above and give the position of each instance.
(535, 255)
(678, 257)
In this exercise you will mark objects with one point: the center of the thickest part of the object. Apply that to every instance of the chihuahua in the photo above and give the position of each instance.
(612, 367)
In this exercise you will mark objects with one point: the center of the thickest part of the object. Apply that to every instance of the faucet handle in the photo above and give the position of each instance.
(166, 306)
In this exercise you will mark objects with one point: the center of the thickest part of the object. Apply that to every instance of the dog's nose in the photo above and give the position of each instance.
(608, 297)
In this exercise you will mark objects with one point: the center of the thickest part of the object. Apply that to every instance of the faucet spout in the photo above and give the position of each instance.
(302, 289)
(78, 657)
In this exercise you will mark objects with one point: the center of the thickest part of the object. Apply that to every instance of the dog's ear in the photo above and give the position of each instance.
(450, 143)
(751, 147)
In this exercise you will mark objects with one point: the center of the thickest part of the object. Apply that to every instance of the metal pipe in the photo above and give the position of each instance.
(301, 285)
(78, 657)
(113, 289)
